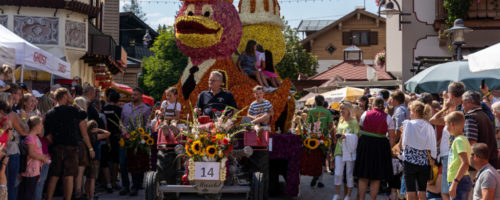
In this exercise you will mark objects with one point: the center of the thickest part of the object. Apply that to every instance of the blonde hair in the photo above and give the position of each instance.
(350, 109)
(454, 117)
(81, 102)
(422, 110)
(33, 121)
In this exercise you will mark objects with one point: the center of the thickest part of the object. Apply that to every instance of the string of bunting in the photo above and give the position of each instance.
(178, 2)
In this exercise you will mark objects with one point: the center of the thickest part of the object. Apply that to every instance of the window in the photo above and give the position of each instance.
(360, 38)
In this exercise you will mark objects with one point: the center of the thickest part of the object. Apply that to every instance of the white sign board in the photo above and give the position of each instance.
(206, 171)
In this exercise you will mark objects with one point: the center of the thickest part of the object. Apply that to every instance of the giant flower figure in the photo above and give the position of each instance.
(262, 22)
(208, 32)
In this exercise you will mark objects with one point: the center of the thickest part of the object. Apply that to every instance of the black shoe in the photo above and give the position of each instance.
(109, 190)
(117, 187)
(133, 192)
(320, 185)
(313, 182)
(124, 191)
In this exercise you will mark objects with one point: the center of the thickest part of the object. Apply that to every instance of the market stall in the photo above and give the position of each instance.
(31, 57)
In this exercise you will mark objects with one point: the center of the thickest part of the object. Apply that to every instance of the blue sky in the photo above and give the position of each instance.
(164, 13)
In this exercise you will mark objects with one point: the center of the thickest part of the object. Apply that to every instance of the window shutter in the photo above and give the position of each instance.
(346, 38)
(374, 38)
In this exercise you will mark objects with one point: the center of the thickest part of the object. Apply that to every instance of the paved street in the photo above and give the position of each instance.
(306, 193)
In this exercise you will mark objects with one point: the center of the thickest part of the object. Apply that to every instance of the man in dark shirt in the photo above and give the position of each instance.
(214, 97)
(113, 112)
(89, 93)
(64, 125)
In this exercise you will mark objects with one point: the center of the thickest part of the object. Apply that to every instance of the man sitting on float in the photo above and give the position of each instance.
(215, 98)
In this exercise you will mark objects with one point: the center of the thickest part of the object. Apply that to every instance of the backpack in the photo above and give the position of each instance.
(23, 156)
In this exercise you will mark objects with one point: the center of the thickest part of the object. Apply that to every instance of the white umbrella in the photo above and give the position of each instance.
(486, 59)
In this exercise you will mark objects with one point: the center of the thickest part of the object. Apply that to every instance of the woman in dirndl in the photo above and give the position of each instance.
(373, 161)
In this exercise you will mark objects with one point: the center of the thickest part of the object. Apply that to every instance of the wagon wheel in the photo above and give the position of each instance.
(257, 190)
(167, 171)
(152, 187)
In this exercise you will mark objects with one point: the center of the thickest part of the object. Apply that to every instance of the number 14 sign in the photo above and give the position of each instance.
(206, 171)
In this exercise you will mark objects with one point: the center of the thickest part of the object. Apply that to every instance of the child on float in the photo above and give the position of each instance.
(260, 111)
(170, 107)
(261, 65)
(346, 139)
(247, 64)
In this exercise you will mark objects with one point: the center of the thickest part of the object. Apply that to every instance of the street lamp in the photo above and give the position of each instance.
(458, 31)
(390, 11)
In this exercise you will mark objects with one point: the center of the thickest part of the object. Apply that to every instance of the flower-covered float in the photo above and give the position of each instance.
(209, 32)
(210, 161)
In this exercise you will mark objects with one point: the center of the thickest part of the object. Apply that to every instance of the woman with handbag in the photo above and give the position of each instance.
(419, 145)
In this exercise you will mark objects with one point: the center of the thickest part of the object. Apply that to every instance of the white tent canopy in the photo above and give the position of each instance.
(485, 59)
(33, 58)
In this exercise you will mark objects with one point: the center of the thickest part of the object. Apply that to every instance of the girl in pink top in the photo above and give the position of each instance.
(35, 160)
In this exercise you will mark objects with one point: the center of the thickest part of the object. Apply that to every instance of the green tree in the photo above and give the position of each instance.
(296, 58)
(135, 8)
(164, 68)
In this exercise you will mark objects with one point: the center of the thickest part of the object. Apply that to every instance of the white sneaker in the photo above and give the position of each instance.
(346, 198)
(336, 197)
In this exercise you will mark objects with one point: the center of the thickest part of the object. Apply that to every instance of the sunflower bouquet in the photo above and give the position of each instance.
(212, 141)
(137, 139)
(312, 138)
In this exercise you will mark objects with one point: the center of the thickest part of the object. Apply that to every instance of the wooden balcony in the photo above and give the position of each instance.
(89, 7)
(484, 14)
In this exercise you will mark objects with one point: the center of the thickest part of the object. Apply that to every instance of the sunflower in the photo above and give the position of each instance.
(133, 133)
(211, 151)
(145, 137)
(196, 147)
(306, 142)
(141, 131)
(188, 151)
(122, 142)
(313, 143)
(150, 141)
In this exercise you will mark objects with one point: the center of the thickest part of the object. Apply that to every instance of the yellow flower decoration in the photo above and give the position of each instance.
(145, 137)
(306, 142)
(133, 133)
(219, 136)
(141, 131)
(313, 143)
(150, 142)
(196, 147)
(328, 142)
(133, 138)
(211, 151)
(122, 142)
(188, 151)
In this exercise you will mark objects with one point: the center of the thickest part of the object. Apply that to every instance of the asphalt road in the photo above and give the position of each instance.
(306, 193)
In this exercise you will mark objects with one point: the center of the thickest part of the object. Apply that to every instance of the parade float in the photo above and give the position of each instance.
(204, 156)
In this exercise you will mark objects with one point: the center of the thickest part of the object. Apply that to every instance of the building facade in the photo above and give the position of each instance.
(423, 36)
(361, 28)
(63, 28)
